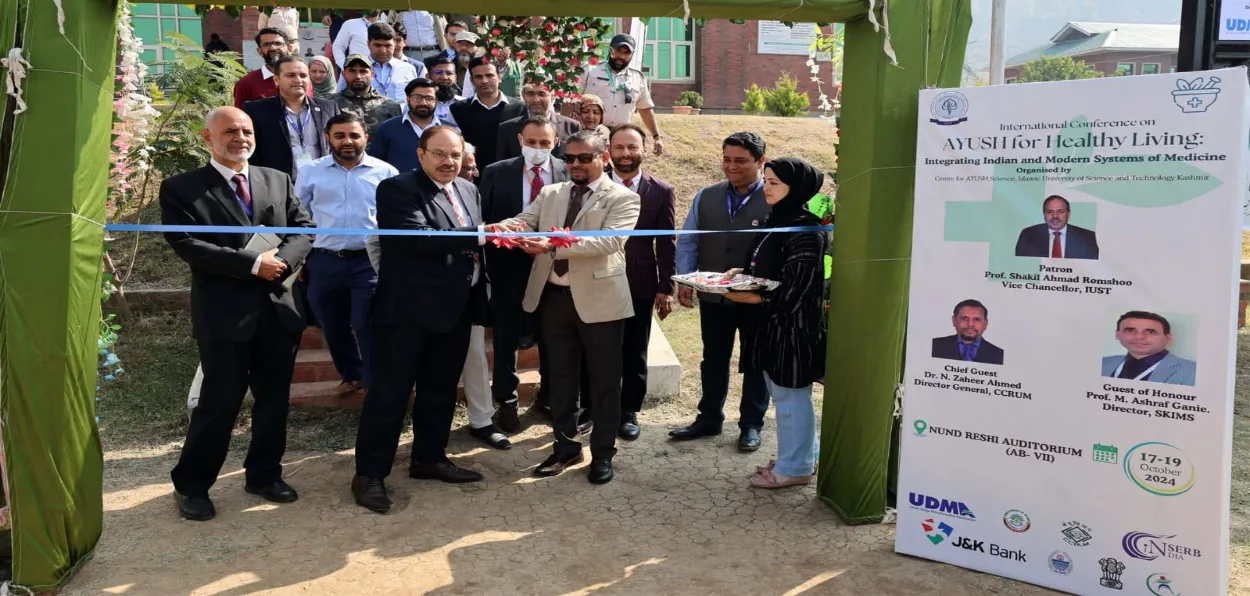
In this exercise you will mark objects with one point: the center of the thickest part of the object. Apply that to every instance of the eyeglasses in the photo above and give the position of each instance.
(443, 156)
(469, 168)
(273, 44)
(423, 98)
(582, 158)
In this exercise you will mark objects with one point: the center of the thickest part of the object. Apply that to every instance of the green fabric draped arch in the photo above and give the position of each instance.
(54, 180)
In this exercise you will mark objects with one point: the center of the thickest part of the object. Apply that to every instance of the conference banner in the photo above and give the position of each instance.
(1068, 394)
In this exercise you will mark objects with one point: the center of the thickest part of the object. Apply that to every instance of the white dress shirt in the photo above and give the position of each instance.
(443, 112)
(593, 185)
(1063, 241)
(420, 26)
(353, 39)
(528, 178)
(229, 174)
(633, 182)
(417, 129)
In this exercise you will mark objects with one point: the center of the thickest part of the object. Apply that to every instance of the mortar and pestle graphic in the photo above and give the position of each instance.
(1196, 95)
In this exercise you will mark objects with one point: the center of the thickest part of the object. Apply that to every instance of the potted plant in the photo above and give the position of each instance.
(689, 102)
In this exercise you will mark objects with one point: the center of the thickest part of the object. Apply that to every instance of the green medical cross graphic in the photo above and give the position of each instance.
(1017, 204)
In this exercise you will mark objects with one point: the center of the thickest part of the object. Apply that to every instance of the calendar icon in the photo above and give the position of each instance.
(1107, 454)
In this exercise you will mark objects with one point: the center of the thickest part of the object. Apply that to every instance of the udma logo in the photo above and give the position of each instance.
(936, 532)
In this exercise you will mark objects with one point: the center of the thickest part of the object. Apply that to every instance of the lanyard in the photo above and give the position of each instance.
(377, 78)
(729, 200)
(1144, 373)
(613, 84)
(299, 123)
(756, 253)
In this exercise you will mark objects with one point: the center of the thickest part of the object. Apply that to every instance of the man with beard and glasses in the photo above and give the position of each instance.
(537, 98)
(289, 125)
(271, 44)
(970, 319)
(582, 296)
(431, 291)
(480, 115)
(390, 74)
(361, 99)
(442, 71)
(244, 319)
(650, 262)
(339, 191)
(508, 188)
(396, 140)
(623, 89)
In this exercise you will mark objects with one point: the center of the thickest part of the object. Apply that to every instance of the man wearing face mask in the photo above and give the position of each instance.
(508, 187)
(396, 140)
(442, 71)
(537, 98)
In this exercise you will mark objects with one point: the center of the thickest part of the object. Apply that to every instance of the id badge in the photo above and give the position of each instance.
(302, 159)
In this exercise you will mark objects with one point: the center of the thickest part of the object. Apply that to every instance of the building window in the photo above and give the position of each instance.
(669, 55)
(1125, 69)
(1010, 81)
(1149, 68)
(153, 23)
(1172, 69)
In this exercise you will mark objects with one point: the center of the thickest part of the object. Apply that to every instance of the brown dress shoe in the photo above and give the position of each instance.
(555, 464)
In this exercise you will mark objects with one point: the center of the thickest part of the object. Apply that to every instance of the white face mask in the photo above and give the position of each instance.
(535, 157)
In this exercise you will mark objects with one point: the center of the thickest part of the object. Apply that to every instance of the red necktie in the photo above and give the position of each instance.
(245, 193)
(629, 184)
(455, 206)
(536, 185)
(1056, 249)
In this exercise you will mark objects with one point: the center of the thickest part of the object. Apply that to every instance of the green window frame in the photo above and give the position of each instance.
(1125, 69)
(669, 52)
(1149, 68)
(153, 23)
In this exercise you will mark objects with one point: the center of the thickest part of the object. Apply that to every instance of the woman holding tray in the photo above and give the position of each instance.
(790, 345)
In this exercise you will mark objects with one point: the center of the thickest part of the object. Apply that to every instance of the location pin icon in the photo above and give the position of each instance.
(920, 426)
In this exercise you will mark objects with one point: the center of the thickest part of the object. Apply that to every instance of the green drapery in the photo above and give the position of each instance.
(50, 249)
(872, 242)
(55, 189)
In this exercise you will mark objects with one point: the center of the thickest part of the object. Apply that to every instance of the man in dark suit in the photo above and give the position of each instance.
(289, 125)
(508, 188)
(1055, 239)
(971, 318)
(244, 321)
(479, 116)
(538, 102)
(431, 290)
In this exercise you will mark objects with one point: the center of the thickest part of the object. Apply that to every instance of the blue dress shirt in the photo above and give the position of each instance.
(336, 197)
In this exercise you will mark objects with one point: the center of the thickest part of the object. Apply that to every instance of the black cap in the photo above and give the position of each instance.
(623, 39)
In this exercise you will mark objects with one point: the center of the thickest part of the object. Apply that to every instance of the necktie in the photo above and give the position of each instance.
(1056, 249)
(966, 351)
(245, 193)
(455, 206)
(629, 184)
(536, 185)
(561, 266)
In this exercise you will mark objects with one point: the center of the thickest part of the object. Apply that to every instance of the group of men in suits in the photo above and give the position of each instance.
(425, 293)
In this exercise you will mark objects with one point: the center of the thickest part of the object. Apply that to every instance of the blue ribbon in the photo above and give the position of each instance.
(366, 232)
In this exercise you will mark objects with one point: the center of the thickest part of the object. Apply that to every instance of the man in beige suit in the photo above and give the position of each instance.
(582, 298)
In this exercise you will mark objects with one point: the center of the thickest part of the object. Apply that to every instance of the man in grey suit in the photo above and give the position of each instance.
(508, 188)
(538, 103)
(1147, 337)
(582, 294)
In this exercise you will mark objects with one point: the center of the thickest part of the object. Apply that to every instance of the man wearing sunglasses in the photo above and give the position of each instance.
(581, 294)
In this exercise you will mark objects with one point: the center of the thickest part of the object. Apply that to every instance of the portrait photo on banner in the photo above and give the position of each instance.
(1150, 346)
(970, 319)
(1057, 238)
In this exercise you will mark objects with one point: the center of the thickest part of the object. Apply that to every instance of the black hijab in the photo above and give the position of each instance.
(805, 182)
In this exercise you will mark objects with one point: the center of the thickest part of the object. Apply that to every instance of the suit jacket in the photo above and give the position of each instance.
(427, 281)
(651, 261)
(509, 147)
(273, 145)
(596, 264)
(502, 186)
(226, 299)
(1035, 241)
(948, 348)
(1172, 369)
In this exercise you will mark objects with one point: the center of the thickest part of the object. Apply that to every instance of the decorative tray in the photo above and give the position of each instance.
(719, 283)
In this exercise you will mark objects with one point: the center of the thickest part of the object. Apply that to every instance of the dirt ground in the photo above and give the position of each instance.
(678, 519)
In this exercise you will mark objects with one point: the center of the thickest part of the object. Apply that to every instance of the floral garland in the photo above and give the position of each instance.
(133, 114)
(553, 51)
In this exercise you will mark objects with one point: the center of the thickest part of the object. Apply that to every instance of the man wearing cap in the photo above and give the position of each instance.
(390, 74)
(466, 51)
(361, 98)
(623, 89)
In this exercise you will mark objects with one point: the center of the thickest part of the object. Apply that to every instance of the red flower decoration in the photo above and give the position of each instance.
(559, 93)
(562, 77)
(549, 27)
(564, 239)
(494, 51)
(542, 61)
(593, 60)
(580, 27)
(505, 241)
(495, 32)
(590, 43)
(520, 55)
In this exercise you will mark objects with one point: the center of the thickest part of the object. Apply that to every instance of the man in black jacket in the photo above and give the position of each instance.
(244, 321)
(431, 290)
(289, 125)
(479, 116)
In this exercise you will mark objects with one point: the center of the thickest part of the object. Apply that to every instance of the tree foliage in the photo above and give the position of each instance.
(1056, 68)
(754, 105)
(784, 99)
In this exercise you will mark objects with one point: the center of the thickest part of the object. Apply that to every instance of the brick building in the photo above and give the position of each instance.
(1111, 48)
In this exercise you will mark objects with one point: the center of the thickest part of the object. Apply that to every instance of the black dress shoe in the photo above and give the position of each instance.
(600, 471)
(584, 422)
(694, 431)
(274, 492)
(527, 342)
(749, 440)
(507, 419)
(629, 426)
(540, 405)
(370, 493)
(555, 464)
(445, 471)
(195, 508)
(491, 436)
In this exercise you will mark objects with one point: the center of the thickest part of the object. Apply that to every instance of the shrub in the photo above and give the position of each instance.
(754, 105)
(690, 98)
(784, 98)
